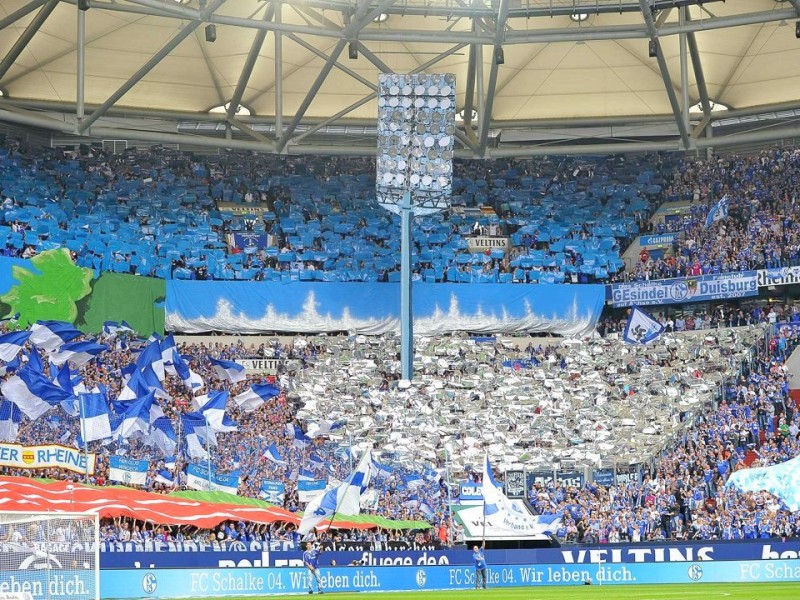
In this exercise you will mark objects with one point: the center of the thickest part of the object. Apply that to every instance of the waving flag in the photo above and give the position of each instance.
(153, 383)
(190, 379)
(257, 395)
(162, 436)
(164, 477)
(641, 328)
(135, 417)
(151, 357)
(95, 417)
(10, 417)
(168, 348)
(718, 212)
(79, 353)
(11, 344)
(426, 509)
(34, 361)
(413, 480)
(381, 470)
(324, 428)
(51, 334)
(344, 499)
(214, 412)
(33, 393)
(228, 370)
(11, 367)
(305, 475)
(194, 446)
(273, 454)
(112, 328)
(299, 439)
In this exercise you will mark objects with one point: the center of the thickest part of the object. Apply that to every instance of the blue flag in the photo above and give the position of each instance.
(641, 328)
(718, 211)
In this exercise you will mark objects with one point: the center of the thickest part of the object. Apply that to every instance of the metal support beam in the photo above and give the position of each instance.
(315, 87)
(370, 97)
(469, 97)
(796, 4)
(313, 49)
(278, 72)
(332, 119)
(81, 66)
(374, 59)
(662, 66)
(488, 105)
(20, 12)
(233, 122)
(700, 79)
(684, 62)
(26, 36)
(149, 65)
(249, 64)
(406, 310)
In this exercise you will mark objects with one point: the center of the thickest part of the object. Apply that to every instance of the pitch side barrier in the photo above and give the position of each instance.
(166, 570)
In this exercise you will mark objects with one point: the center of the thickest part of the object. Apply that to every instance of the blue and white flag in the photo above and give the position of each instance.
(135, 416)
(11, 367)
(641, 328)
(151, 357)
(112, 328)
(33, 393)
(190, 379)
(324, 428)
(153, 383)
(228, 370)
(308, 489)
(164, 477)
(426, 509)
(432, 475)
(11, 344)
(162, 436)
(272, 491)
(51, 334)
(299, 439)
(718, 211)
(345, 499)
(128, 471)
(79, 353)
(34, 361)
(381, 470)
(305, 475)
(413, 480)
(214, 412)
(95, 417)
(10, 416)
(135, 387)
(194, 445)
(168, 348)
(256, 396)
(273, 454)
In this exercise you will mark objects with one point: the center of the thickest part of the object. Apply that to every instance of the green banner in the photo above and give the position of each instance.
(50, 286)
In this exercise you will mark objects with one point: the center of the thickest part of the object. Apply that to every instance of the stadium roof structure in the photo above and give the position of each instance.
(300, 76)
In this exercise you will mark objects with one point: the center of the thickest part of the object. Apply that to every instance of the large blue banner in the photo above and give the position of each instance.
(374, 308)
(244, 582)
(689, 289)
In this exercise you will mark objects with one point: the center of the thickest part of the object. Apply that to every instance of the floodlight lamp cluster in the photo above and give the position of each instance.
(416, 129)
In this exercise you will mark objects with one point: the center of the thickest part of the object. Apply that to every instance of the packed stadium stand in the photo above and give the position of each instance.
(213, 349)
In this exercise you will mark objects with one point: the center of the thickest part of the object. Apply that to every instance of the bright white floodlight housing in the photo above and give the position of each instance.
(416, 130)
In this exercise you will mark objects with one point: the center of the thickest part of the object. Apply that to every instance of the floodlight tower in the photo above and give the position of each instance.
(416, 127)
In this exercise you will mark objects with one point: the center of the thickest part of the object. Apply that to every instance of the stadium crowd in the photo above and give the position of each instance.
(760, 232)
(679, 496)
(170, 214)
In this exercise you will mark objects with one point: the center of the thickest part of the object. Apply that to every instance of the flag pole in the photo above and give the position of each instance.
(83, 437)
(483, 487)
